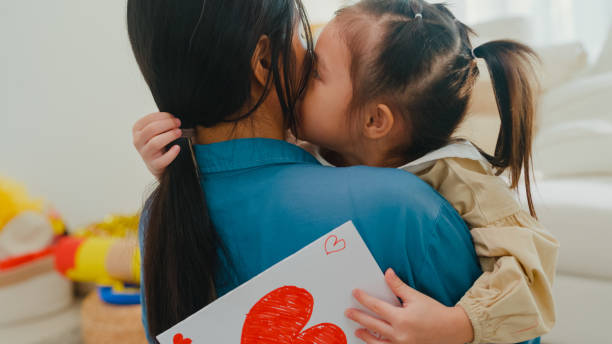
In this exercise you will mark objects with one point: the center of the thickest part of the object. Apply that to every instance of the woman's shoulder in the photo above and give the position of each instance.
(375, 188)
(386, 182)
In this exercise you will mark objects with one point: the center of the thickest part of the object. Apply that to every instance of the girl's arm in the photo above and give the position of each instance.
(512, 301)
(420, 319)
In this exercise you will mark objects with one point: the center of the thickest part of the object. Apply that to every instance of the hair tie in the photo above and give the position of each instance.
(473, 54)
(418, 15)
(188, 133)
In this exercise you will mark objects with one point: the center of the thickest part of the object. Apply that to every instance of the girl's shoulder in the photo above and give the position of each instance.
(460, 149)
(466, 179)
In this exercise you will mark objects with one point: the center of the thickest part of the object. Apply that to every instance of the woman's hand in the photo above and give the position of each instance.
(420, 319)
(151, 134)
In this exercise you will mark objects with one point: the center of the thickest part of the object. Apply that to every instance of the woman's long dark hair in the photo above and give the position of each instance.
(196, 57)
(425, 67)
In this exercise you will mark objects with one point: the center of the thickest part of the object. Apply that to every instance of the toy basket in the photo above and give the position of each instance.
(105, 323)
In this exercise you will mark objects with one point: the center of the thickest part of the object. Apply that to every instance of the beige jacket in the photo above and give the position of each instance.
(512, 300)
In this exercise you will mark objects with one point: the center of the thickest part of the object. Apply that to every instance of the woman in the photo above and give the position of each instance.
(233, 70)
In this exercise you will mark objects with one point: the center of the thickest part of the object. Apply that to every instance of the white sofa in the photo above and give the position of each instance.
(573, 156)
(573, 167)
(578, 210)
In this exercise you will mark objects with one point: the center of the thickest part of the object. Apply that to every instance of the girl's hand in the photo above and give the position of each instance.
(151, 135)
(420, 319)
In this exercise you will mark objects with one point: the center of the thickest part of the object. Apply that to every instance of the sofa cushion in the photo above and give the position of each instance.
(574, 148)
(585, 98)
(578, 211)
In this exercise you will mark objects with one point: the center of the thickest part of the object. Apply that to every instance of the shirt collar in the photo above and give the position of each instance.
(461, 149)
(247, 153)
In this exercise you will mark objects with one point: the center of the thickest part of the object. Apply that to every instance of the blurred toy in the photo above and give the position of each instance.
(116, 226)
(24, 227)
(29, 286)
(105, 261)
(27, 226)
(59, 227)
(129, 296)
(14, 199)
(27, 232)
(104, 253)
(107, 254)
(32, 290)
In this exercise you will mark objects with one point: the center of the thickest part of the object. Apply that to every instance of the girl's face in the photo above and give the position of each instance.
(324, 109)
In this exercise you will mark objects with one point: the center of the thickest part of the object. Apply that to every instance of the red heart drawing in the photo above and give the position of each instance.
(335, 245)
(278, 318)
(178, 339)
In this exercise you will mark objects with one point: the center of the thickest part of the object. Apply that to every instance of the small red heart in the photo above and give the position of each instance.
(278, 318)
(333, 245)
(178, 339)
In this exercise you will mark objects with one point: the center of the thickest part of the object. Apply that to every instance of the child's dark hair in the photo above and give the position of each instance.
(418, 58)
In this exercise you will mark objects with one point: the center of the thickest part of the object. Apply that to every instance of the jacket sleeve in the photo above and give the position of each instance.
(512, 300)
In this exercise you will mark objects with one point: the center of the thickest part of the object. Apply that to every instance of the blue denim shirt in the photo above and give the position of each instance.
(268, 199)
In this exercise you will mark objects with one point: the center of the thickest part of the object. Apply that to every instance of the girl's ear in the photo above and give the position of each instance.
(378, 122)
(261, 60)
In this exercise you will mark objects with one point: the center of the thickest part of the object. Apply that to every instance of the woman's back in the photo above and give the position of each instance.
(268, 199)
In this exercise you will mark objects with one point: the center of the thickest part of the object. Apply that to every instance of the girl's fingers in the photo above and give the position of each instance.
(369, 322)
(155, 146)
(160, 164)
(368, 337)
(152, 117)
(153, 129)
(399, 288)
(379, 307)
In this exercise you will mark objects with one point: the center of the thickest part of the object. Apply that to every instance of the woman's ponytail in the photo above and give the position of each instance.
(180, 246)
(514, 85)
(200, 69)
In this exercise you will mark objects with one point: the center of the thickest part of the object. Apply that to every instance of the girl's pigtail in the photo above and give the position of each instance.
(514, 85)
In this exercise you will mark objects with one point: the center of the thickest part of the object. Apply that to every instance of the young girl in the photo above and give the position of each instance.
(393, 81)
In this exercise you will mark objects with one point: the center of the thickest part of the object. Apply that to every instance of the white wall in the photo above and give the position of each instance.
(321, 11)
(69, 93)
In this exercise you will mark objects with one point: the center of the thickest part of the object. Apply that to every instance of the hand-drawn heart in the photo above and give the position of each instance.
(333, 245)
(278, 318)
(178, 339)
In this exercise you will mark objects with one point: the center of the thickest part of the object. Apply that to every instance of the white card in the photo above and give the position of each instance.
(301, 299)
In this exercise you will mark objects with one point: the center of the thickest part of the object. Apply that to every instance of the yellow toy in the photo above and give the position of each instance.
(14, 199)
(106, 253)
(26, 225)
